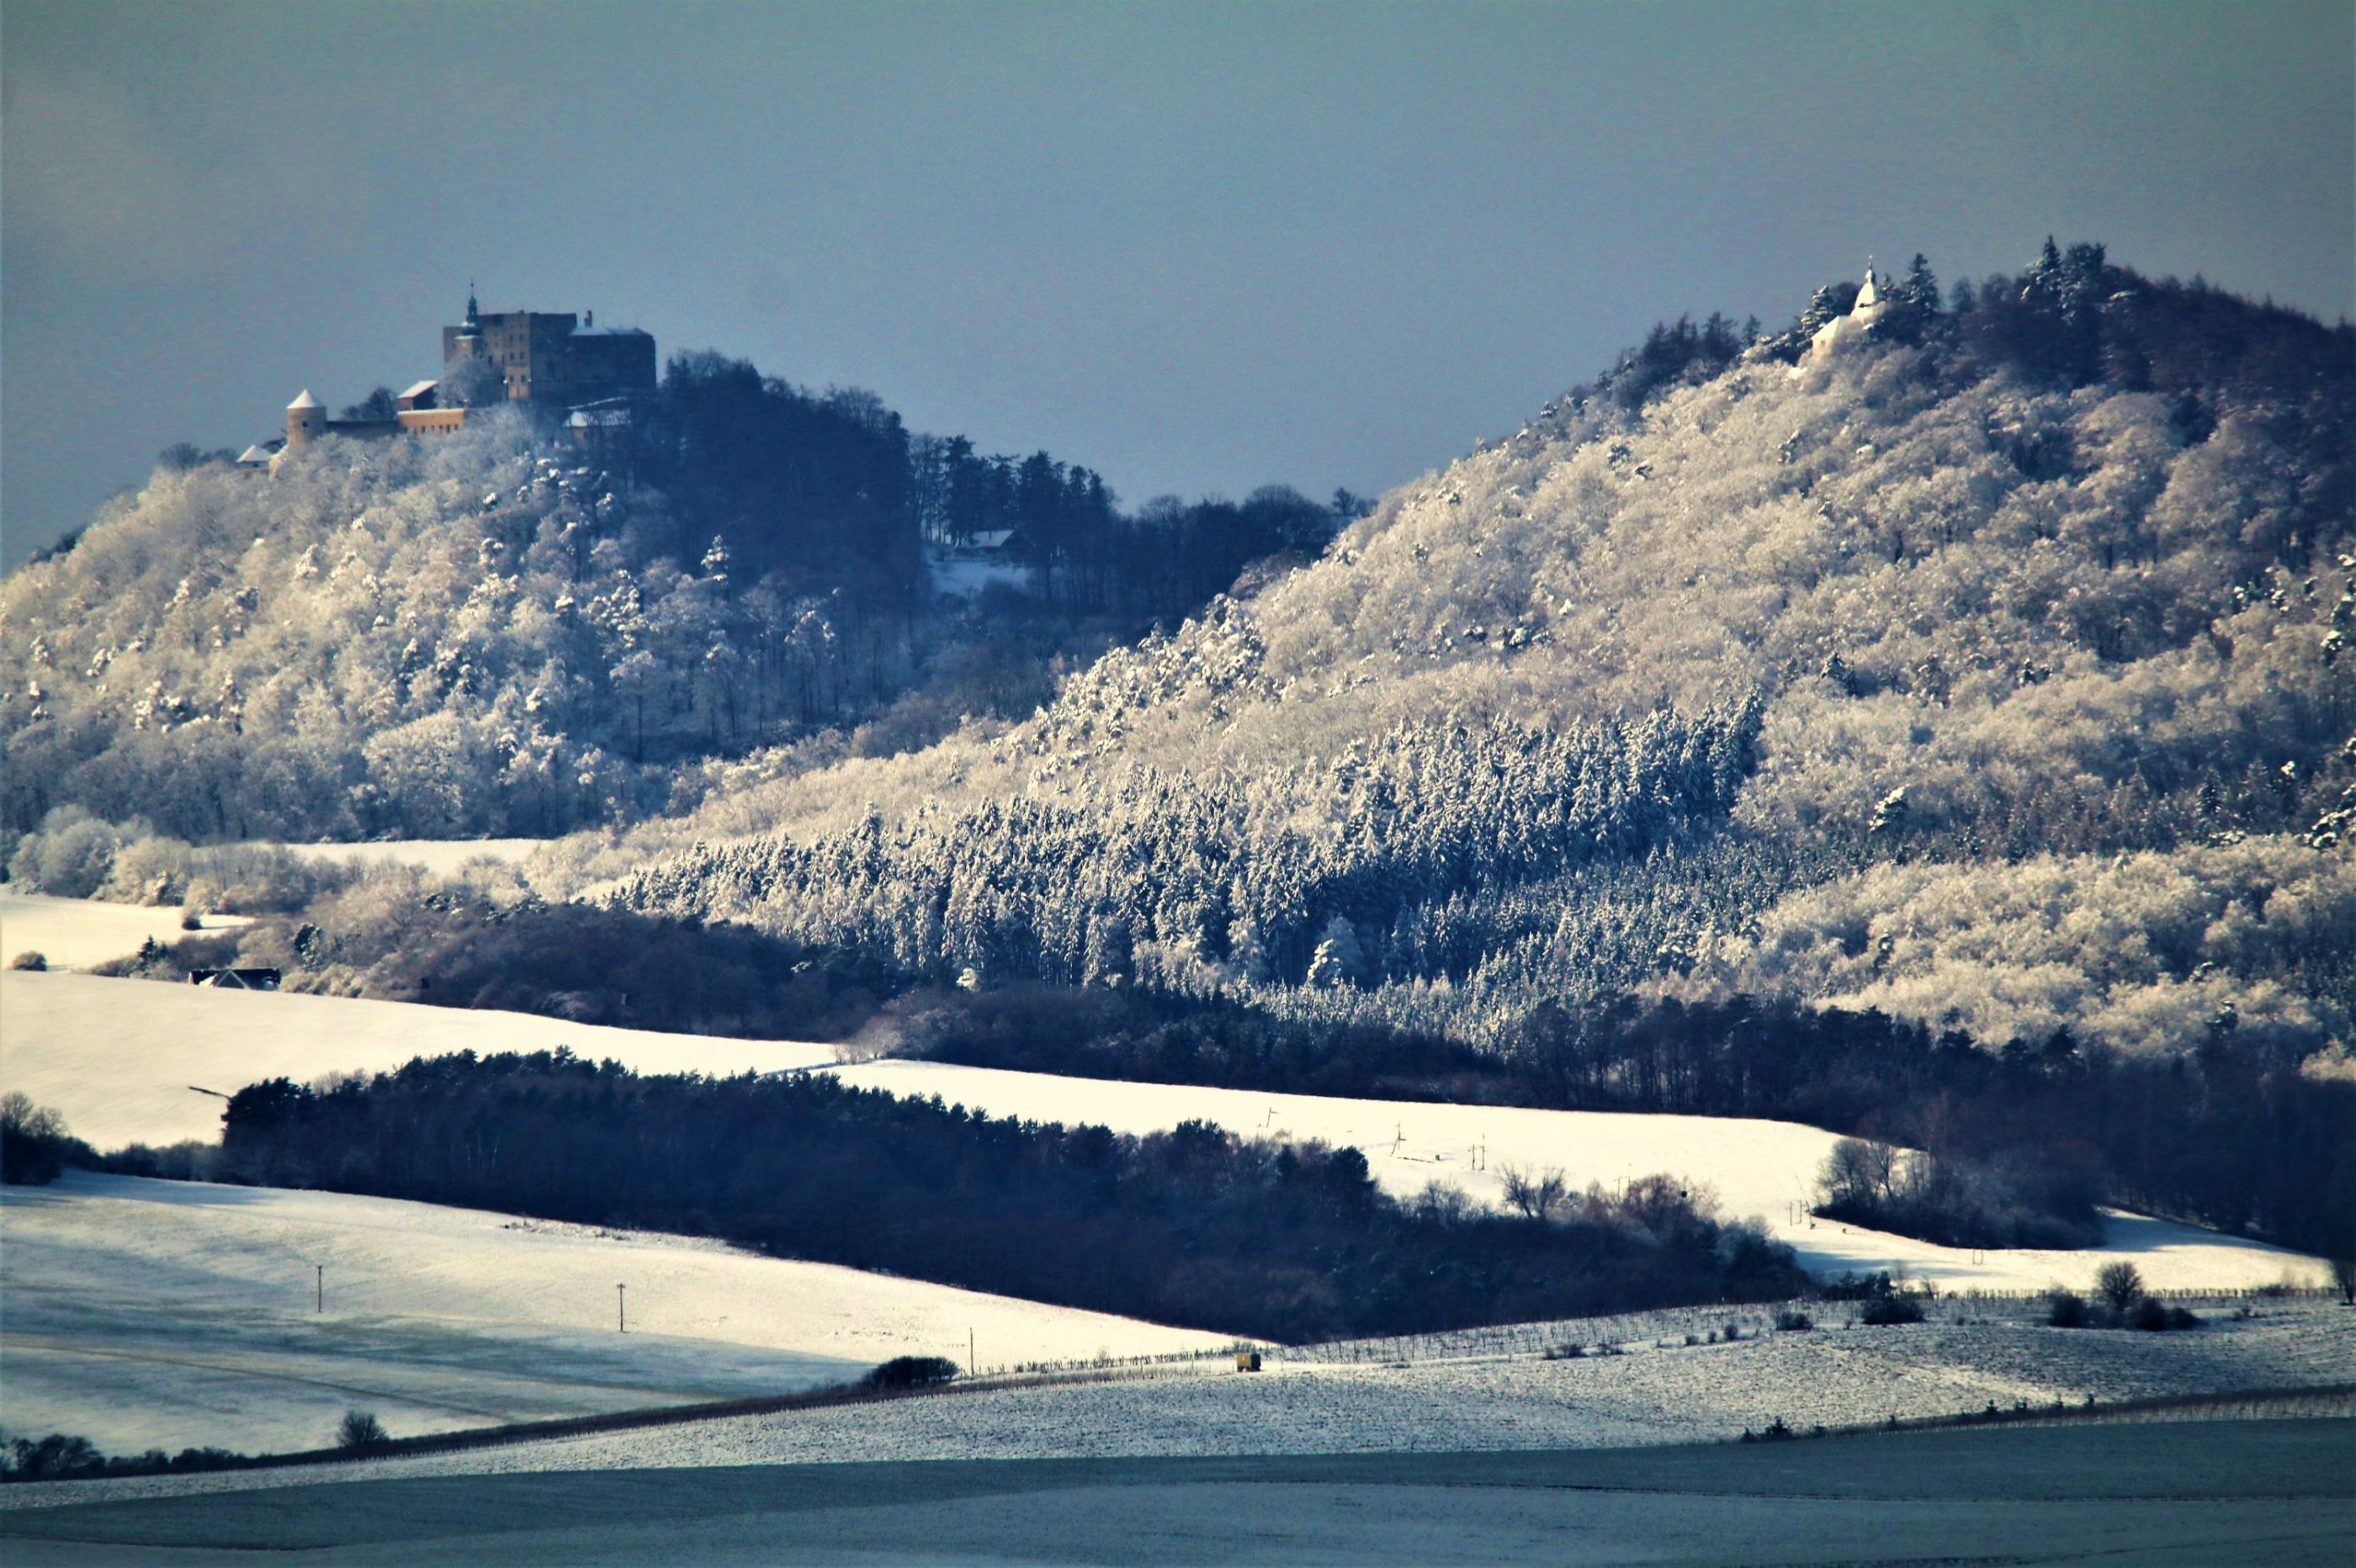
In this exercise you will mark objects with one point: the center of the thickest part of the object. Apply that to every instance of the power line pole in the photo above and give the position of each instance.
(319, 1288)
(970, 1367)
(622, 1307)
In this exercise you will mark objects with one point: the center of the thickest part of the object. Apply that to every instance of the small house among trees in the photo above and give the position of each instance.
(236, 980)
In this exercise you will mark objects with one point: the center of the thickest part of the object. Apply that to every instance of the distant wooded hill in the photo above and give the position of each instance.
(499, 633)
(1988, 672)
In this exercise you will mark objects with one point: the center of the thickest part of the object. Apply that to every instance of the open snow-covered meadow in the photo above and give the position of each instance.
(1651, 1395)
(2191, 1493)
(175, 1314)
(1761, 1169)
(75, 933)
(1458, 1394)
(124, 1060)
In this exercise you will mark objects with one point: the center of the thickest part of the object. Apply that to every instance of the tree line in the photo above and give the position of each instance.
(1282, 1241)
(2019, 1143)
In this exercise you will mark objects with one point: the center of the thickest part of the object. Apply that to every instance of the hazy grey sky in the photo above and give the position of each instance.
(1195, 247)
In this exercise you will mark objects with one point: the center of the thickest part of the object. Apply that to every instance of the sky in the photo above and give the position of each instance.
(1198, 248)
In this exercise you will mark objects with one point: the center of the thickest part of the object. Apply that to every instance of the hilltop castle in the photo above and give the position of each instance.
(548, 359)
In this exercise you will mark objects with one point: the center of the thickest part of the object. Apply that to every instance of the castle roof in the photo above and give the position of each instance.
(609, 332)
(305, 401)
(421, 388)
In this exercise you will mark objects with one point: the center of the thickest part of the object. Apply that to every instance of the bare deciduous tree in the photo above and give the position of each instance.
(1859, 1170)
(1534, 1194)
(2120, 1286)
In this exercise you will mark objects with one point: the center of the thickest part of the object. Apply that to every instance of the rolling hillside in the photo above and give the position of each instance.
(176, 1314)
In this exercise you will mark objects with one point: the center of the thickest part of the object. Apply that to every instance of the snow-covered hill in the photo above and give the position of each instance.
(1945, 605)
(177, 1314)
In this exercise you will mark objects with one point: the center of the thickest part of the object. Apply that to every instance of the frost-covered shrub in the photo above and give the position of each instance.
(70, 856)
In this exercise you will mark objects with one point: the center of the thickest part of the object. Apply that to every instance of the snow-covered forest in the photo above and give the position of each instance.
(1979, 679)
(500, 633)
(1986, 672)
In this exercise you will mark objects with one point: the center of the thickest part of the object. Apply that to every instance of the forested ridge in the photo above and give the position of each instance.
(501, 633)
(2031, 605)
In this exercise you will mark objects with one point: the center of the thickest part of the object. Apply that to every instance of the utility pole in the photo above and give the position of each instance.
(622, 1307)
(319, 1288)
(968, 1352)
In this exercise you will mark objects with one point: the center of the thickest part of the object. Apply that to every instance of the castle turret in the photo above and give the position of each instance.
(468, 342)
(307, 419)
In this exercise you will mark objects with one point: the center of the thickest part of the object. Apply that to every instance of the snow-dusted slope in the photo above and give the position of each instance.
(1756, 1168)
(1431, 1396)
(176, 1314)
(74, 934)
(120, 1059)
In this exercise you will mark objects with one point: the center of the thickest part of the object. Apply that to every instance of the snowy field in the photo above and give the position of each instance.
(1833, 1376)
(75, 933)
(442, 857)
(1756, 1168)
(122, 1060)
(151, 1313)
(1660, 1391)
(2193, 1495)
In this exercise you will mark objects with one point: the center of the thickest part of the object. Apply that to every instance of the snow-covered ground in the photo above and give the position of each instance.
(123, 1060)
(440, 856)
(153, 1312)
(1649, 1395)
(1654, 1393)
(1756, 1168)
(75, 933)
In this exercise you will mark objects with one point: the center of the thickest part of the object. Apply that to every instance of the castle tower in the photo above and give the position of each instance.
(307, 419)
(468, 342)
